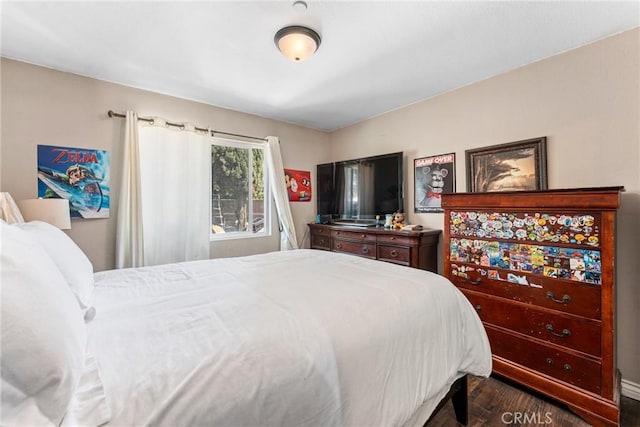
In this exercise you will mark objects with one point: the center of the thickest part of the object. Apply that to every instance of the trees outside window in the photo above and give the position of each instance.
(239, 189)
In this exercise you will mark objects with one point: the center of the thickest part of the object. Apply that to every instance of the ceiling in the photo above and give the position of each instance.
(374, 57)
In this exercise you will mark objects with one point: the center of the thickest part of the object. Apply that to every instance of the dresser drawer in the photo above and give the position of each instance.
(319, 231)
(396, 254)
(353, 235)
(321, 241)
(579, 371)
(398, 240)
(569, 297)
(367, 250)
(566, 330)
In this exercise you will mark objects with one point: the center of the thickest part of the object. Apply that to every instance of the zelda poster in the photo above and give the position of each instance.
(77, 174)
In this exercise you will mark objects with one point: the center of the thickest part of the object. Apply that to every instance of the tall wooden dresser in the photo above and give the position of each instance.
(539, 267)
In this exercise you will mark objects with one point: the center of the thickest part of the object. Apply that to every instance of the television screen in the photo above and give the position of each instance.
(360, 189)
(324, 189)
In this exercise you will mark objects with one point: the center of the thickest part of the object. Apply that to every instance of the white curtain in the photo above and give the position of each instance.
(9, 211)
(279, 189)
(129, 233)
(167, 179)
(174, 172)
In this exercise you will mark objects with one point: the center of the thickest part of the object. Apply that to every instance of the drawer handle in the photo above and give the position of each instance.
(567, 367)
(565, 332)
(393, 253)
(364, 236)
(549, 361)
(365, 250)
(339, 245)
(478, 307)
(565, 298)
(322, 241)
(474, 282)
(393, 238)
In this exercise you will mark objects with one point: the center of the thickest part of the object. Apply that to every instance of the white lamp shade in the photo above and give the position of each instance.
(53, 211)
(297, 43)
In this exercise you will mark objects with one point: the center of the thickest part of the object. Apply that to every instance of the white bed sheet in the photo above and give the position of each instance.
(287, 338)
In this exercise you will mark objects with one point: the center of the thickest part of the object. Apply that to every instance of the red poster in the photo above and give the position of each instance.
(298, 185)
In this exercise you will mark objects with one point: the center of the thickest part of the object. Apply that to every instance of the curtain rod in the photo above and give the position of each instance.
(112, 114)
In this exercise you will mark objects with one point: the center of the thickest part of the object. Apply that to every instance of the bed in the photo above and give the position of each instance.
(304, 338)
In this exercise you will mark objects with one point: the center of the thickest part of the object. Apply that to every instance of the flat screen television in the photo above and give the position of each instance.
(355, 191)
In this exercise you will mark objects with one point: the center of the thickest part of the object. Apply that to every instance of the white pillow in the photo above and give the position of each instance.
(71, 261)
(43, 334)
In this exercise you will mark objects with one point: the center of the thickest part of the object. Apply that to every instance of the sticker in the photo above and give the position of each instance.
(578, 275)
(523, 266)
(593, 277)
(479, 249)
(577, 264)
(520, 280)
(533, 285)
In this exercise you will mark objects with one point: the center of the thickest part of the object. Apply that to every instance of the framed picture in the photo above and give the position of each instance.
(298, 185)
(520, 165)
(80, 175)
(433, 176)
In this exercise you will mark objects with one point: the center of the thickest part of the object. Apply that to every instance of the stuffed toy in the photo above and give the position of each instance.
(398, 220)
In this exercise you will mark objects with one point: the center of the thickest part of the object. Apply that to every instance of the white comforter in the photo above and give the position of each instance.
(282, 339)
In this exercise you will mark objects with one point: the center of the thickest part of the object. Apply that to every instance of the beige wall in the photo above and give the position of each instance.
(585, 101)
(44, 106)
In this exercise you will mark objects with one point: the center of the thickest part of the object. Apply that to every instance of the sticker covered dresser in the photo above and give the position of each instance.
(539, 267)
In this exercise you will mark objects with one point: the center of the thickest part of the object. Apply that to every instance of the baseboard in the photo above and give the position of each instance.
(631, 390)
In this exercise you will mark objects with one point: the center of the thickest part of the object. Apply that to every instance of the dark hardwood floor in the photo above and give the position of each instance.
(498, 402)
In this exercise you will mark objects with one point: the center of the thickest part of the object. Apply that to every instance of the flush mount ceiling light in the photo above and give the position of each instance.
(296, 42)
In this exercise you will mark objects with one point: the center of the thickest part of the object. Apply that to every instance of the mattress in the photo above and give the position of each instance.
(300, 338)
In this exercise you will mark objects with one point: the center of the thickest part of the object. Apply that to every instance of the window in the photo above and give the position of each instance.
(239, 190)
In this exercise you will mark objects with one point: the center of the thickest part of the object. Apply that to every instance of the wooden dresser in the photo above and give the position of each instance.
(417, 249)
(539, 269)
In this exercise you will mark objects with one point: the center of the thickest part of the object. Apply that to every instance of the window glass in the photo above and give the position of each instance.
(239, 190)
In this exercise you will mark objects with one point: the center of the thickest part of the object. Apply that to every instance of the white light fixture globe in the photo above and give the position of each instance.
(297, 43)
